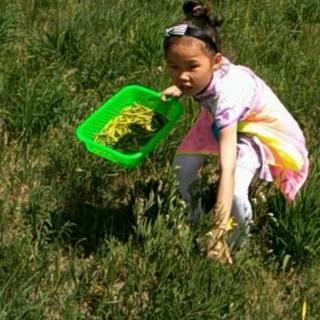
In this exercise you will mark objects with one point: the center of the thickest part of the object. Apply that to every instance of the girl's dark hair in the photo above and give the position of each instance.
(197, 17)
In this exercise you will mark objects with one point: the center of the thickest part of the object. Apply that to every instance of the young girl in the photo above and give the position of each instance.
(241, 120)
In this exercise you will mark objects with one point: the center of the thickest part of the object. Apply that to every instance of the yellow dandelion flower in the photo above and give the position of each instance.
(230, 224)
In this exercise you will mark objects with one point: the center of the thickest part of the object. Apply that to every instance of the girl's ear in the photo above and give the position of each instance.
(216, 61)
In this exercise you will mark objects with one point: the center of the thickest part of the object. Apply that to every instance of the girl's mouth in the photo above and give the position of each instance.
(185, 87)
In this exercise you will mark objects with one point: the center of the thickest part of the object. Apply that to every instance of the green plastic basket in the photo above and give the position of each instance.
(89, 128)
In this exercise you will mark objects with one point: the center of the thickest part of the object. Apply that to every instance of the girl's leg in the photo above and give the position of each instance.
(187, 173)
(241, 207)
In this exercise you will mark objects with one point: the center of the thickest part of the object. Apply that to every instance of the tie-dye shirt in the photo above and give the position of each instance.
(266, 130)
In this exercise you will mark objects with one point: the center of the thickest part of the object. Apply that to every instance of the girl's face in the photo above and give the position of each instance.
(191, 65)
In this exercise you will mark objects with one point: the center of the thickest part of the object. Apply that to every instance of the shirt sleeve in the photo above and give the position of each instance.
(235, 99)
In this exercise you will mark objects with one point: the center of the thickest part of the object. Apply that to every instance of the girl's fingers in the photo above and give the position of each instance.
(214, 237)
(163, 97)
(172, 91)
(222, 258)
(229, 260)
(220, 252)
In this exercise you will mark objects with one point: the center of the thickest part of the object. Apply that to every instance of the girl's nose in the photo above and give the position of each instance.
(184, 76)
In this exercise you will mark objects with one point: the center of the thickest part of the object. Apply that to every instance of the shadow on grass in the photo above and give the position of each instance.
(88, 225)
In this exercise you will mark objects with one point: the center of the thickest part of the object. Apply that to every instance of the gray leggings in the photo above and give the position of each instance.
(188, 172)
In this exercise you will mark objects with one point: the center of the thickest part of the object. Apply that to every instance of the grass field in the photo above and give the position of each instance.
(82, 238)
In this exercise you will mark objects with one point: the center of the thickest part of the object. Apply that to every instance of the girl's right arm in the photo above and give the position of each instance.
(172, 91)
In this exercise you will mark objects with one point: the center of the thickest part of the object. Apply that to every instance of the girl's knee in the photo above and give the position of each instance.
(241, 209)
(242, 213)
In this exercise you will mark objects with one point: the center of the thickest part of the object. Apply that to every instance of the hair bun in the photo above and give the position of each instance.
(195, 9)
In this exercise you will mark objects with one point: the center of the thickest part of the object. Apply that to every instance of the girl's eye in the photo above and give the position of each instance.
(194, 66)
(173, 67)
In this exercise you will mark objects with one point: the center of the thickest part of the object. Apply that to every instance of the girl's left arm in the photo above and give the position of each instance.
(227, 159)
(217, 248)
